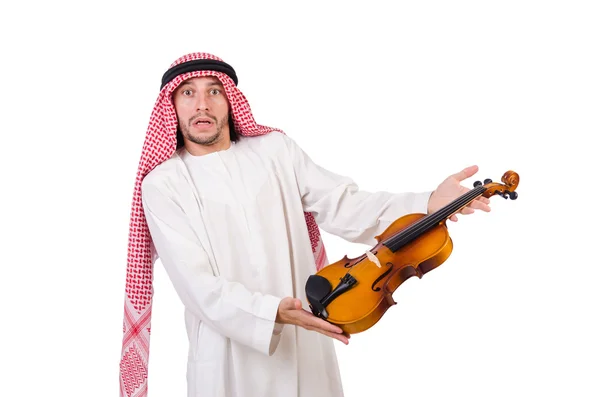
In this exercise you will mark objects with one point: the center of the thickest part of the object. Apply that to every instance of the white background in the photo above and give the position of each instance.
(396, 96)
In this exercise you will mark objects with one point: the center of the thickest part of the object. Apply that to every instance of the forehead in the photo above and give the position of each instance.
(203, 81)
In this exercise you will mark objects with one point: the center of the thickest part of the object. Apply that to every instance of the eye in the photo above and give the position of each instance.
(215, 91)
(186, 92)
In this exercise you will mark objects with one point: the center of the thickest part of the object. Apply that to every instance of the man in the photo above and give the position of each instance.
(231, 208)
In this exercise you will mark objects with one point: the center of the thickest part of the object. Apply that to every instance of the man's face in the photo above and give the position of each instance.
(202, 111)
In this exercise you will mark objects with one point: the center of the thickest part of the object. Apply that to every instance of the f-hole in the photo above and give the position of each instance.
(378, 279)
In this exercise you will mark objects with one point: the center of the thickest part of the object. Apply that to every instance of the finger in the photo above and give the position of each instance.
(482, 199)
(466, 173)
(344, 338)
(467, 211)
(453, 218)
(480, 206)
(309, 320)
(341, 337)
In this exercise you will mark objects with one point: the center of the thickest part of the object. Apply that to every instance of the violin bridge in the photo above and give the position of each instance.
(373, 258)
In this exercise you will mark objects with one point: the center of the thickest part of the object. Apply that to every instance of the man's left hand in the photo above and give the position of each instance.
(451, 189)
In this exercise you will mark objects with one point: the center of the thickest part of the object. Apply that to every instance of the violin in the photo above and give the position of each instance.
(355, 293)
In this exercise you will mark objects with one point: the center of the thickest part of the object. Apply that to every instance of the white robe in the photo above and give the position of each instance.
(229, 229)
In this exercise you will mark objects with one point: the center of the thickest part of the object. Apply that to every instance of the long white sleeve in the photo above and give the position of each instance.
(341, 208)
(229, 307)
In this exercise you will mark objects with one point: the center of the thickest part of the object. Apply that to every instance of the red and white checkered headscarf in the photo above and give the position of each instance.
(159, 145)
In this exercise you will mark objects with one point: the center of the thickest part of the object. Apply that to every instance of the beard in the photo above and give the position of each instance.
(206, 140)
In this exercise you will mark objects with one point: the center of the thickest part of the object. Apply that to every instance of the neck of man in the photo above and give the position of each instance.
(198, 149)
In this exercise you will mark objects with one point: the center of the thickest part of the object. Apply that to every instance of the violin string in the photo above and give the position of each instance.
(419, 227)
(429, 221)
(432, 220)
(413, 230)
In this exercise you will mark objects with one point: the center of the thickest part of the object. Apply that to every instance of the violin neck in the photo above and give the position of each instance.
(430, 221)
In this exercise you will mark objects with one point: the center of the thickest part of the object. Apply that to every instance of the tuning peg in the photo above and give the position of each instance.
(488, 180)
(477, 183)
(513, 195)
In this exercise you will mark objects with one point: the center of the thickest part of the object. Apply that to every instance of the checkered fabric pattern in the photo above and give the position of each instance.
(159, 145)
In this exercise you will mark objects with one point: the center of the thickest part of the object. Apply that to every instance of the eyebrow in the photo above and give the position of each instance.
(212, 83)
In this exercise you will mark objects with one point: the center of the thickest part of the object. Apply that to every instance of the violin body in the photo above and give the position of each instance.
(362, 306)
(355, 293)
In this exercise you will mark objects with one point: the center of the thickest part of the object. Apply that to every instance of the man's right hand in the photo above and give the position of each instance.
(290, 311)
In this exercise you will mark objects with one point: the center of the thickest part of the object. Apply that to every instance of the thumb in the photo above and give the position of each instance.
(466, 173)
(292, 304)
(297, 304)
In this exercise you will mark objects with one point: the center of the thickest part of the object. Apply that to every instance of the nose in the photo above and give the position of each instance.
(202, 103)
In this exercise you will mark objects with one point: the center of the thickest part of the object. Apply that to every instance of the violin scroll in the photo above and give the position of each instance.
(506, 189)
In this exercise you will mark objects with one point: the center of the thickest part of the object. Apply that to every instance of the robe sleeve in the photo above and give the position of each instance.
(229, 307)
(341, 208)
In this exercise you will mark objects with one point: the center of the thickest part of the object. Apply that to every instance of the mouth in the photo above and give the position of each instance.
(202, 121)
